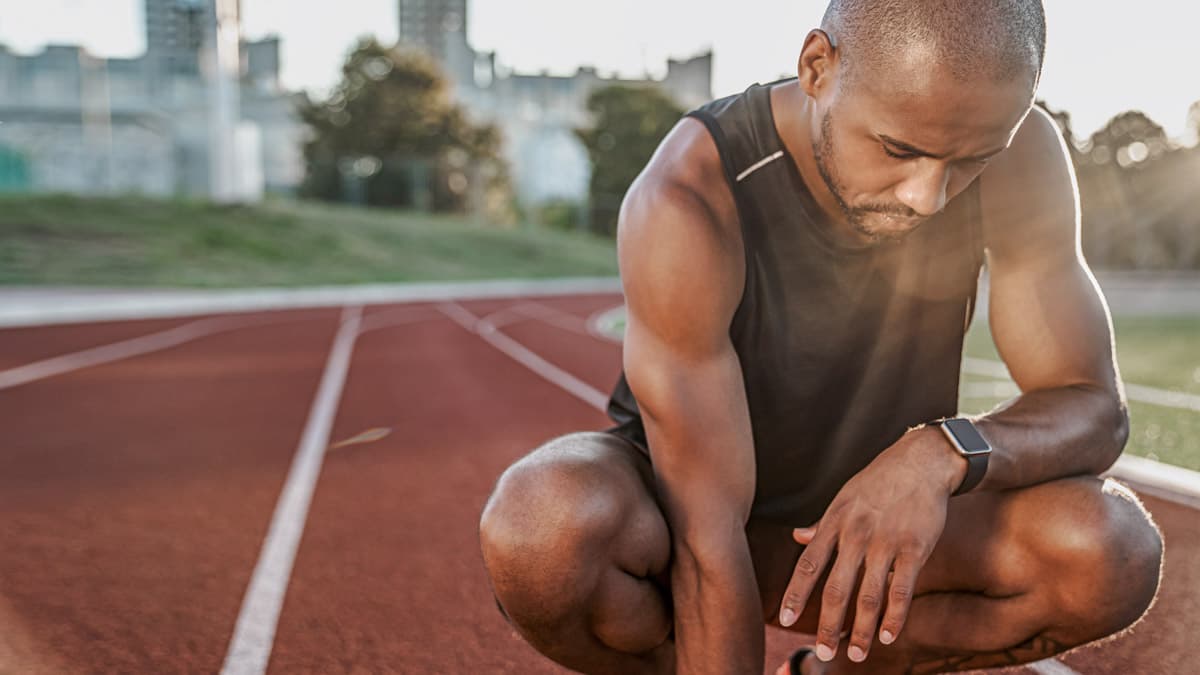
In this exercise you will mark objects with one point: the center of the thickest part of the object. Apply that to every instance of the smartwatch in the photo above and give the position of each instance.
(971, 444)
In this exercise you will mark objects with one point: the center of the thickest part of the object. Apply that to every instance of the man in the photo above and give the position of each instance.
(799, 264)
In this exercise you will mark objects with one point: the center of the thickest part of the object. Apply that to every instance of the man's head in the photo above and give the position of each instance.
(911, 97)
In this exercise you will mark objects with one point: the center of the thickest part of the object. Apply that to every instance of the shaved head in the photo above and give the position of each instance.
(971, 39)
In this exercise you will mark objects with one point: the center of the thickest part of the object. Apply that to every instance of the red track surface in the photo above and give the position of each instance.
(135, 495)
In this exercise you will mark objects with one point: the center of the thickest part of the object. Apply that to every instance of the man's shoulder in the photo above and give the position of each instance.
(1037, 148)
(678, 238)
(685, 167)
(1029, 196)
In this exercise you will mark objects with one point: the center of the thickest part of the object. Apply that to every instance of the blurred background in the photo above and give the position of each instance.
(512, 115)
(218, 219)
(236, 143)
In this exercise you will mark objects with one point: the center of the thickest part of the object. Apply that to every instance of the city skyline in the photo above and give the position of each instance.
(1078, 78)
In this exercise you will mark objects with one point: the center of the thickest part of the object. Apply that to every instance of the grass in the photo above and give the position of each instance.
(129, 241)
(1161, 352)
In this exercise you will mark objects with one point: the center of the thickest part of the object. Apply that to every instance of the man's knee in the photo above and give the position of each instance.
(544, 530)
(1108, 552)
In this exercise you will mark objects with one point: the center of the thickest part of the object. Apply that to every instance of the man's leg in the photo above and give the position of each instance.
(577, 551)
(1017, 577)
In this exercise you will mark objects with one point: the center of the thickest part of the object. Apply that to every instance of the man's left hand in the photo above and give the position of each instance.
(886, 519)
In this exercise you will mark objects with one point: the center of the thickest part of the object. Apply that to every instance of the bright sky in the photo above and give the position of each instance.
(1103, 57)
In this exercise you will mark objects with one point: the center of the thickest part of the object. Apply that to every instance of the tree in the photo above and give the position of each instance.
(1130, 139)
(629, 123)
(1137, 194)
(390, 134)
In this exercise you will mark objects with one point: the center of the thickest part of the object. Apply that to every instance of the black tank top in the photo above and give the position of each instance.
(842, 349)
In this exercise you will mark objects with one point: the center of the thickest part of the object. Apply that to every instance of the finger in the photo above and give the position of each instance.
(839, 589)
(804, 535)
(870, 604)
(899, 597)
(808, 569)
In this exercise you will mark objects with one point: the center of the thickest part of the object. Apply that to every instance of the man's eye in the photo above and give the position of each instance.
(898, 155)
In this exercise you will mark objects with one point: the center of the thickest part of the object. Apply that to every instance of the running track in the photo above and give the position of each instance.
(169, 504)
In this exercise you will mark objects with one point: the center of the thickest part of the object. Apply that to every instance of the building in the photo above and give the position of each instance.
(175, 34)
(537, 113)
(75, 123)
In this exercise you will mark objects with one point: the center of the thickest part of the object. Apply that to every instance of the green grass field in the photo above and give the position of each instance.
(1161, 352)
(141, 242)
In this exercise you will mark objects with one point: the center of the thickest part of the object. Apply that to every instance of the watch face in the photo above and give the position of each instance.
(967, 436)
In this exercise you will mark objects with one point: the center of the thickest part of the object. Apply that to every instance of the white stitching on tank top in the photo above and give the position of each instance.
(759, 164)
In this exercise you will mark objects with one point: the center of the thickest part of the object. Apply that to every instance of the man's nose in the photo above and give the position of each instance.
(924, 190)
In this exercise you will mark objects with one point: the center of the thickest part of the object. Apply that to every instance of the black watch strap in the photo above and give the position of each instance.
(976, 467)
(972, 446)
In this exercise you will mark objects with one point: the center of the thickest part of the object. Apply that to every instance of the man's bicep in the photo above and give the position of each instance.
(1051, 327)
(1047, 314)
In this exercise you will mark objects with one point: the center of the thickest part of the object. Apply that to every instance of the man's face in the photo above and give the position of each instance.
(893, 155)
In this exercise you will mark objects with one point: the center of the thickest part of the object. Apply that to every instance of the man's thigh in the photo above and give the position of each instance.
(990, 544)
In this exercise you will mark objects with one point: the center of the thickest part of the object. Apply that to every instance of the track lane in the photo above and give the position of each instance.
(389, 576)
(382, 583)
(135, 496)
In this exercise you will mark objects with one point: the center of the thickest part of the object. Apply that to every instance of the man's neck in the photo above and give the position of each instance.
(796, 132)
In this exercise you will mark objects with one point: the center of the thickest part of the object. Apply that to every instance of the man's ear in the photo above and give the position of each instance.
(818, 63)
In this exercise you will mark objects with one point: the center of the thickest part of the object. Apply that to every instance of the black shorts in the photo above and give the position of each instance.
(632, 431)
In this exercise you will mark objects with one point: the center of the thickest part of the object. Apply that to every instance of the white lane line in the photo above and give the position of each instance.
(1163, 397)
(397, 317)
(1051, 667)
(1134, 392)
(1165, 481)
(254, 633)
(487, 330)
(124, 349)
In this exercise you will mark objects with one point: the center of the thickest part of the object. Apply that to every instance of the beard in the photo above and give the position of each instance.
(856, 216)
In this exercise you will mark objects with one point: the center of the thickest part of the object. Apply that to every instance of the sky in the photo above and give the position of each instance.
(1103, 56)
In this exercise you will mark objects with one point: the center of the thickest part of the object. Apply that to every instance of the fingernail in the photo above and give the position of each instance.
(856, 654)
(787, 617)
(887, 638)
(824, 653)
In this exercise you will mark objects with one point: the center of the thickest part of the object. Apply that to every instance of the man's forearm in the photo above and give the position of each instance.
(718, 614)
(1053, 433)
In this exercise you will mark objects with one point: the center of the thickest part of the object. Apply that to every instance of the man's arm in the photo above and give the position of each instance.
(683, 277)
(1049, 321)
(1052, 329)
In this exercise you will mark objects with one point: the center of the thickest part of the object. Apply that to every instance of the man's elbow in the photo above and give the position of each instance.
(1115, 424)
